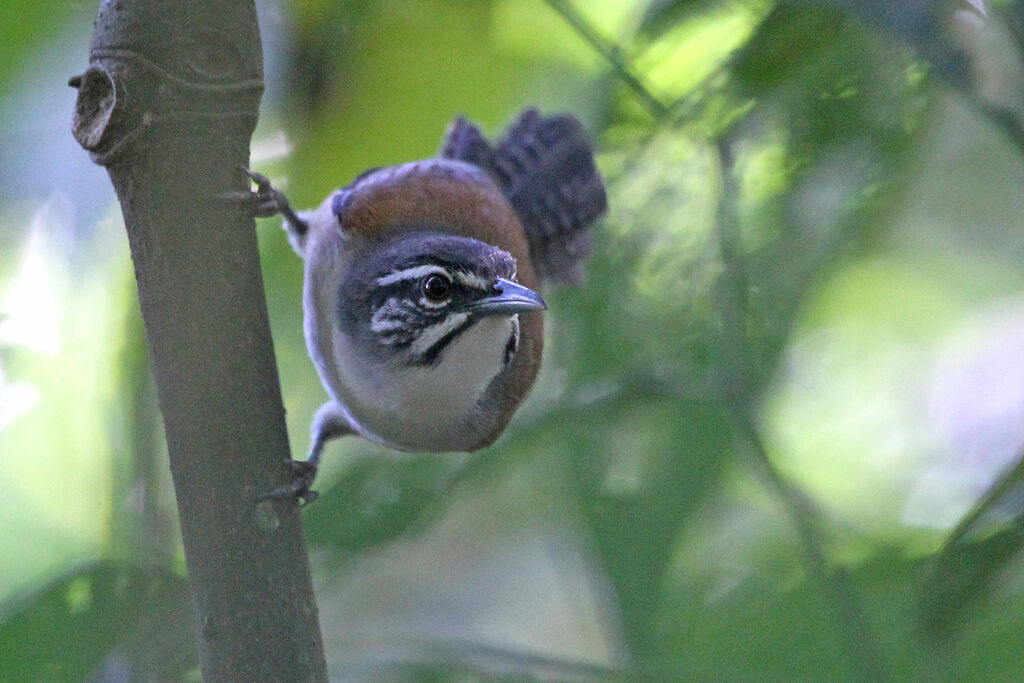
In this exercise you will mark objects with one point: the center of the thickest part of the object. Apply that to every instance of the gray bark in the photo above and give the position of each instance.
(168, 106)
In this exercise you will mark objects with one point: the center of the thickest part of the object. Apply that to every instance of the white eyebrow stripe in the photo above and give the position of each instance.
(473, 280)
(413, 273)
(435, 333)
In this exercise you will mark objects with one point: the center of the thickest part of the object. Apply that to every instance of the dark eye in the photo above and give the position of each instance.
(437, 287)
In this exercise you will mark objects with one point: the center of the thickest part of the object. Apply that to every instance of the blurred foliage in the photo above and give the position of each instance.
(778, 431)
(110, 618)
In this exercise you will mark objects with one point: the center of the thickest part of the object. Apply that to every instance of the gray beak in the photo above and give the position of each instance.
(510, 298)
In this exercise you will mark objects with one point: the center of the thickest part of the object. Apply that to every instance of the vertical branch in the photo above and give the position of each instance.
(733, 285)
(738, 356)
(168, 106)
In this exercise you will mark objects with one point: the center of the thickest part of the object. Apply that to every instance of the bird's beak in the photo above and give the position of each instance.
(510, 297)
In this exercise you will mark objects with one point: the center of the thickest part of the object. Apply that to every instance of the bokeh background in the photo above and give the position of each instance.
(778, 431)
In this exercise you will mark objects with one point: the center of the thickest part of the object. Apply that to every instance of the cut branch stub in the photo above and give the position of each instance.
(174, 65)
(97, 96)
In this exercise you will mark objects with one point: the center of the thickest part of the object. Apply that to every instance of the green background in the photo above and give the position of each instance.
(777, 431)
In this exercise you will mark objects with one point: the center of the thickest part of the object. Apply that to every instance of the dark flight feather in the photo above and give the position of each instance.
(545, 167)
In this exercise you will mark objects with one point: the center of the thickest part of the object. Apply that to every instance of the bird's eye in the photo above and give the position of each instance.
(437, 287)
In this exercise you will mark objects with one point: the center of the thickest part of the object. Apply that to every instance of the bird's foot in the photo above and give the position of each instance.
(266, 200)
(303, 474)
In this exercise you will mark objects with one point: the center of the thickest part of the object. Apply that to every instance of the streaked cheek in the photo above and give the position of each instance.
(391, 322)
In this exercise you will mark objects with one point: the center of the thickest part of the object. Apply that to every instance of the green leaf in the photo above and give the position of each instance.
(986, 545)
(639, 478)
(104, 617)
(378, 499)
(663, 15)
(925, 25)
(790, 38)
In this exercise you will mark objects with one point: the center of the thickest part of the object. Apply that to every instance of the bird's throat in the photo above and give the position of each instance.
(426, 407)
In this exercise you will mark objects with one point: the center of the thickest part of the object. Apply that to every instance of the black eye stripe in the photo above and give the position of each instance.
(512, 345)
(433, 354)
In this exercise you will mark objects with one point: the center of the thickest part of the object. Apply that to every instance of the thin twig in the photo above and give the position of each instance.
(861, 645)
(1009, 478)
(733, 289)
(611, 53)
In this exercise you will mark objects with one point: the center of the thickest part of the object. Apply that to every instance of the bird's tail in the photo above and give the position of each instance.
(545, 167)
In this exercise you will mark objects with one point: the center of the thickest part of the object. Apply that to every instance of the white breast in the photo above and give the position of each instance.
(423, 408)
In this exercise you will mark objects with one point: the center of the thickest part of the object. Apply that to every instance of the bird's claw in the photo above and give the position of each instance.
(303, 474)
(265, 201)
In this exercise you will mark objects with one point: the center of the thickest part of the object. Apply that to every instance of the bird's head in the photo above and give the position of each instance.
(409, 301)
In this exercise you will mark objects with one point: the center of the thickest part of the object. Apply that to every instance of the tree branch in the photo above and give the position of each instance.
(168, 106)
(739, 355)
(611, 54)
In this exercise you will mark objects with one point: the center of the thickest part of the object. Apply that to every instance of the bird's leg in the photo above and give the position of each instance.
(330, 422)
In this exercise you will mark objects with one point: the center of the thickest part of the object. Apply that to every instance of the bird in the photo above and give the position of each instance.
(421, 307)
